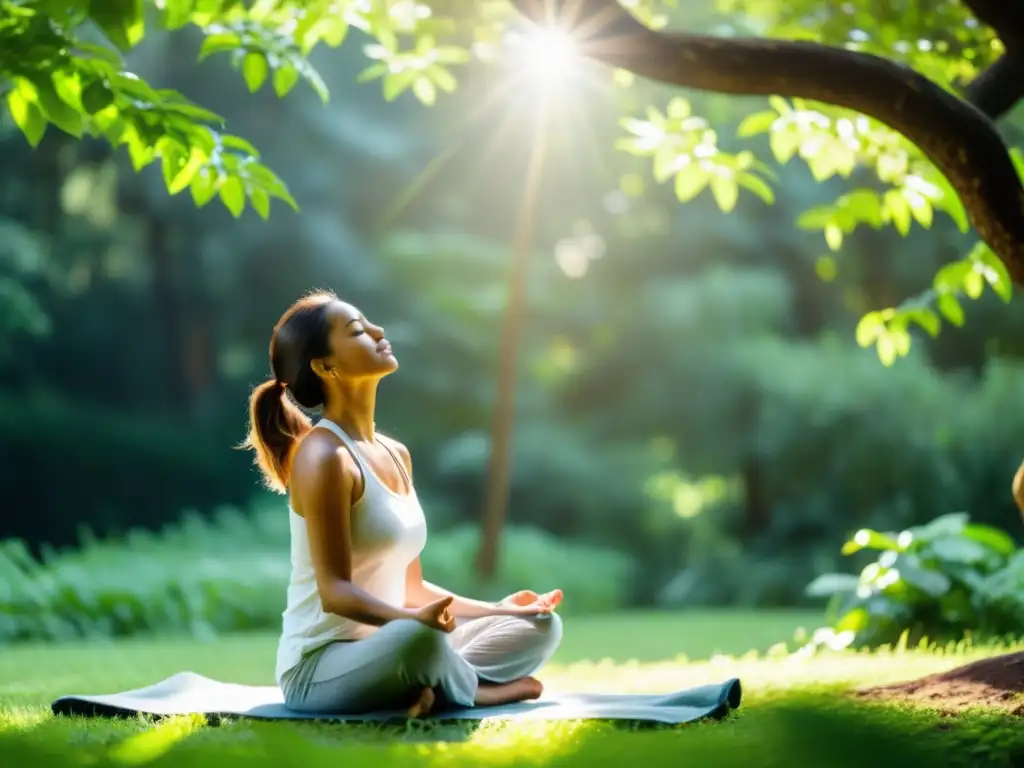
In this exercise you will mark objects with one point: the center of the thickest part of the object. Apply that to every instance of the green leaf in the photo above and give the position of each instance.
(829, 584)
(139, 151)
(232, 194)
(866, 538)
(951, 524)
(204, 187)
(122, 21)
(726, 192)
(96, 97)
(285, 78)
(255, 70)
(757, 185)
(397, 82)
(816, 218)
(951, 203)
(869, 328)
(995, 270)
(927, 319)
(784, 143)
(863, 205)
(919, 207)
(885, 348)
(172, 159)
(856, 620)
(974, 284)
(994, 539)
(333, 31)
(834, 237)
(176, 13)
(950, 278)
(260, 202)
(424, 90)
(186, 174)
(951, 309)
(27, 116)
(58, 111)
(99, 52)
(678, 108)
(372, 72)
(958, 549)
(442, 78)
(690, 181)
(218, 43)
(932, 583)
(231, 141)
(758, 122)
(898, 210)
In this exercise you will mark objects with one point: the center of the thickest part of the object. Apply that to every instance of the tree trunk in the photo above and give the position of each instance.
(500, 461)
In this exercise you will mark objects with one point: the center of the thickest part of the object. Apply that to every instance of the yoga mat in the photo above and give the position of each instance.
(189, 693)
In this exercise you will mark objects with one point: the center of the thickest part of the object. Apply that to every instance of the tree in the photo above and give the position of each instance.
(865, 86)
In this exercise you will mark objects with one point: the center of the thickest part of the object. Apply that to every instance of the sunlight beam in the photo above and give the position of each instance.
(547, 55)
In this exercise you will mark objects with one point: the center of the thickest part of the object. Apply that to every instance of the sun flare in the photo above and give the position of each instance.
(548, 54)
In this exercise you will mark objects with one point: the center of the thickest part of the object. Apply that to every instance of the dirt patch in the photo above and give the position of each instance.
(995, 683)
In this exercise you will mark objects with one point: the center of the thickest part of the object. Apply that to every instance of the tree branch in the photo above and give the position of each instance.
(958, 138)
(1005, 17)
(998, 89)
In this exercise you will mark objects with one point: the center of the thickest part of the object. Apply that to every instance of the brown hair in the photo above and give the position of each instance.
(275, 423)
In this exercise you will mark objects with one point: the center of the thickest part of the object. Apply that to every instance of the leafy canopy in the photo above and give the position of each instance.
(61, 64)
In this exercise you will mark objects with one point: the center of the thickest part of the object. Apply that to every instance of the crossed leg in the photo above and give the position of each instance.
(482, 663)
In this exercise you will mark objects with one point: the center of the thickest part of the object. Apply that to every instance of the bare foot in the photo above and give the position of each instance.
(423, 704)
(523, 689)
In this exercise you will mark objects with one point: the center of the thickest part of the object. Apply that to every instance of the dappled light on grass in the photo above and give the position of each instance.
(796, 711)
(21, 718)
(149, 745)
(500, 743)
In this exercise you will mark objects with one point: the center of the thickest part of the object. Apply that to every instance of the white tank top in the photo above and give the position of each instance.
(388, 532)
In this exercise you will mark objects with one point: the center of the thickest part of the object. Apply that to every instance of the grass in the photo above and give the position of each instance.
(794, 712)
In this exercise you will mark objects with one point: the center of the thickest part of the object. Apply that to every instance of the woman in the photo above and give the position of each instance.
(362, 630)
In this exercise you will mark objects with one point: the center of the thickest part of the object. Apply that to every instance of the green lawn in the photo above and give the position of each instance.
(794, 711)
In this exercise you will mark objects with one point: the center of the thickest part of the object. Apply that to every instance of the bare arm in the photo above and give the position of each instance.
(419, 592)
(322, 481)
(1018, 489)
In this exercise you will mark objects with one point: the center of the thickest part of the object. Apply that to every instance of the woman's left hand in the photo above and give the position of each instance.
(526, 602)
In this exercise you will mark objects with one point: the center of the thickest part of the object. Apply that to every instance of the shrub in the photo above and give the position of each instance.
(942, 581)
(201, 577)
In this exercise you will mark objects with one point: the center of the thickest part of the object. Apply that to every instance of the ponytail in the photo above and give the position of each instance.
(275, 426)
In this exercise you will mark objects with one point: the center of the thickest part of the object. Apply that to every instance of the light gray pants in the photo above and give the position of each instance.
(388, 669)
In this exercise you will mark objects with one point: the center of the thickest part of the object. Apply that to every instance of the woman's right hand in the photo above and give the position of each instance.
(436, 615)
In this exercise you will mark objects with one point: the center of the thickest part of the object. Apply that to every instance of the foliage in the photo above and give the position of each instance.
(58, 75)
(202, 577)
(944, 580)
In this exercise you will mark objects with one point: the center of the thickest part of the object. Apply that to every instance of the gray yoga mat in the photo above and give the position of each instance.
(189, 693)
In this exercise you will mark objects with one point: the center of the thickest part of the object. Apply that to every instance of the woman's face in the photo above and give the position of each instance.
(358, 347)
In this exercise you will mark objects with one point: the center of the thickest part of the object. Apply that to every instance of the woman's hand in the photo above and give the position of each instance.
(526, 602)
(437, 615)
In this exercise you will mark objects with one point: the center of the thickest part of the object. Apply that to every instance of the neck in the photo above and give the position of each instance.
(352, 409)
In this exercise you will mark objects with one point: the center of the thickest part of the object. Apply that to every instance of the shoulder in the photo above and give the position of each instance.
(322, 458)
(400, 450)
(1018, 488)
